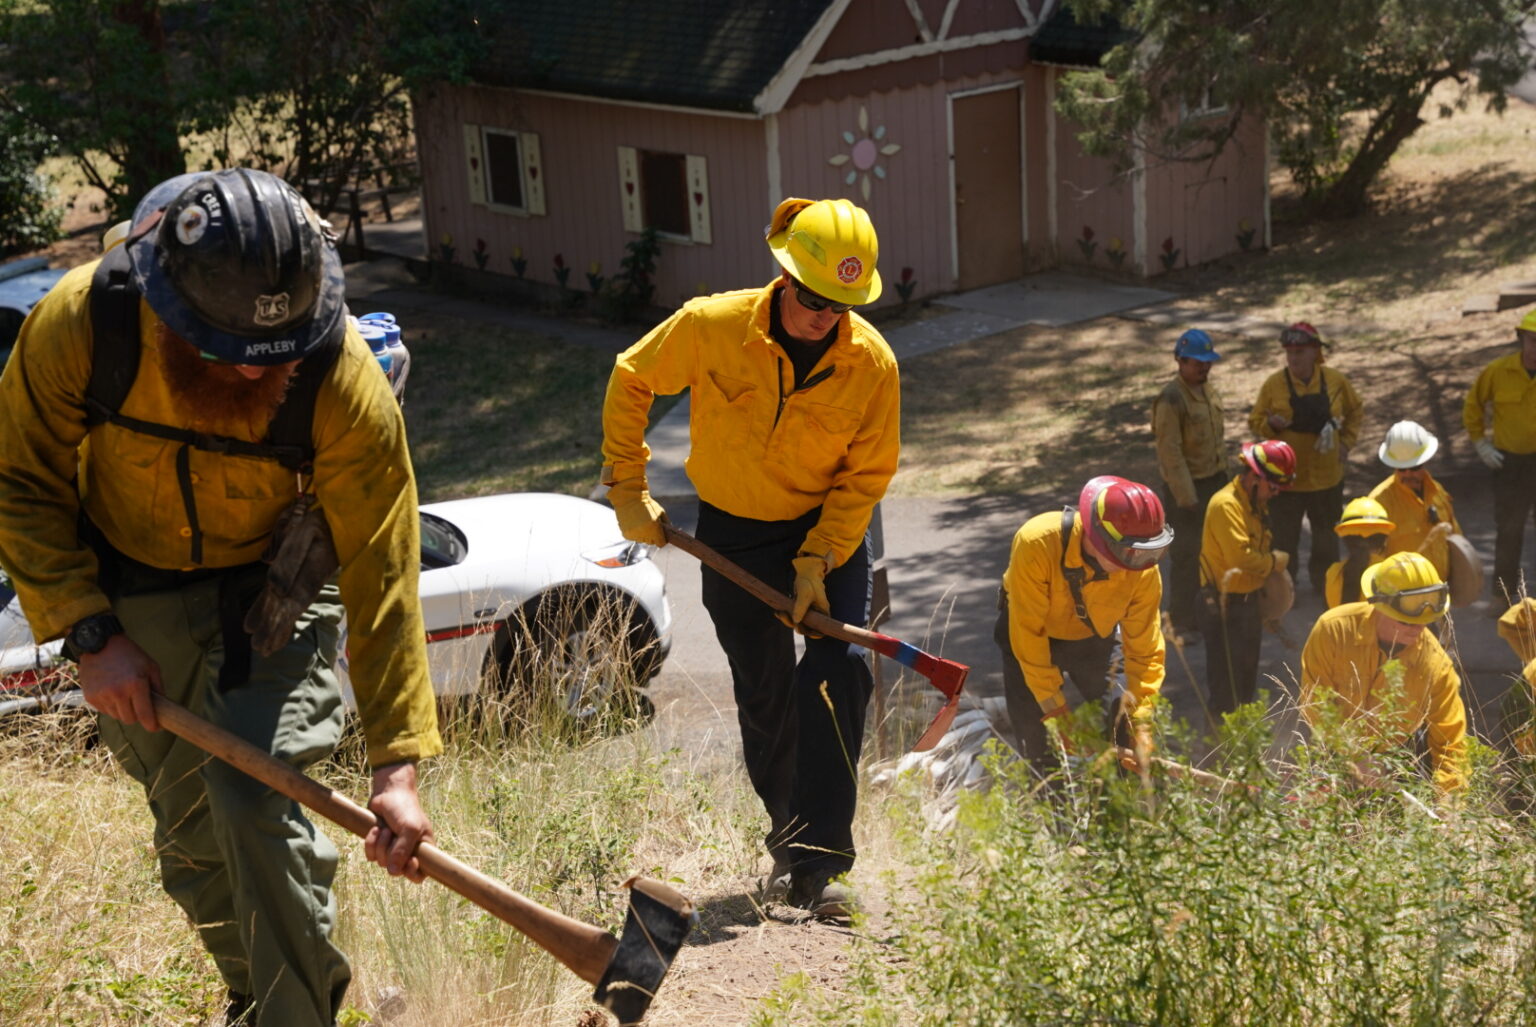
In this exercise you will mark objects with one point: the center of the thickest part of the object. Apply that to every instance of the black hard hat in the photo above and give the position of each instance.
(238, 266)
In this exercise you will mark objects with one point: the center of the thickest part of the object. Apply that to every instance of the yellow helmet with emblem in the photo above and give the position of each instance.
(829, 246)
(1364, 516)
(1407, 588)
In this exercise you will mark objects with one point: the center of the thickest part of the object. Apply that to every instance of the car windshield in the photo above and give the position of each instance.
(442, 544)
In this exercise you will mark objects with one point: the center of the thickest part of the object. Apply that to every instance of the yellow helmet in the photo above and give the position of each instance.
(829, 246)
(1518, 627)
(1527, 323)
(1407, 588)
(1364, 516)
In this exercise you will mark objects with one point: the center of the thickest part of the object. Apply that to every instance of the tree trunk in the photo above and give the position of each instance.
(1347, 196)
(151, 142)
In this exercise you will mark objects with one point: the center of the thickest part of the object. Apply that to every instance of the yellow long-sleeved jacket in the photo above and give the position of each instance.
(1191, 437)
(1314, 470)
(1512, 392)
(1412, 516)
(760, 448)
(1343, 664)
(1234, 545)
(1040, 608)
(129, 488)
(1333, 581)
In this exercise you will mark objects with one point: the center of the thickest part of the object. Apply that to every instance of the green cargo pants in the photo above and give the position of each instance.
(249, 869)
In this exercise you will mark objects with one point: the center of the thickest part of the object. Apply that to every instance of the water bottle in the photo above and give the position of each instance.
(390, 350)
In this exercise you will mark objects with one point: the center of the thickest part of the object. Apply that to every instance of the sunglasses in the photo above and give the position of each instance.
(1416, 602)
(812, 302)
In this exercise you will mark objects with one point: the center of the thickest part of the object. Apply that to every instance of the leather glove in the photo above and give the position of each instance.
(810, 586)
(1282, 560)
(1142, 746)
(1328, 437)
(1489, 453)
(641, 518)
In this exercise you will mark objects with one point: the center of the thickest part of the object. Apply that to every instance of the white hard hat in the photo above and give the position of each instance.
(1408, 444)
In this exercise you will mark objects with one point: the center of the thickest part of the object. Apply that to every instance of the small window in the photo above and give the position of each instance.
(1207, 104)
(664, 191)
(504, 169)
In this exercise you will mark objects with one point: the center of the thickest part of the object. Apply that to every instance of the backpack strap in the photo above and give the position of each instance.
(114, 336)
(1076, 577)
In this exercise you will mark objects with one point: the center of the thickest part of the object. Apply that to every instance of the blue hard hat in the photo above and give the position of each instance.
(1196, 345)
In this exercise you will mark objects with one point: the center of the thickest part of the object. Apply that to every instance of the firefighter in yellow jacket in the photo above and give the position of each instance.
(1187, 421)
(1363, 528)
(1517, 710)
(136, 532)
(795, 411)
(1500, 418)
(1235, 558)
(1073, 579)
(1378, 667)
(1417, 505)
(1317, 412)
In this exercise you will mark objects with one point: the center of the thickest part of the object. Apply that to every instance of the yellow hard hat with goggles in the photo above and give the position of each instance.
(1407, 588)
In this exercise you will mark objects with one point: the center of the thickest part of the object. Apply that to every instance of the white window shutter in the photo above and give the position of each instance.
(474, 160)
(629, 189)
(533, 173)
(698, 197)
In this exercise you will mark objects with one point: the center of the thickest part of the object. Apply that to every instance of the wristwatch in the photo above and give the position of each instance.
(91, 634)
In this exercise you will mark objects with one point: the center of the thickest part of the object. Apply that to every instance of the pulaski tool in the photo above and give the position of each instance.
(945, 675)
(626, 970)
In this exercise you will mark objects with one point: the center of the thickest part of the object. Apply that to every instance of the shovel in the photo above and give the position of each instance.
(626, 970)
(945, 675)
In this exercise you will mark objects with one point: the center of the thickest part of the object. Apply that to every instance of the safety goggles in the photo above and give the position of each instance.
(1416, 602)
(1135, 554)
(816, 304)
(1297, 337)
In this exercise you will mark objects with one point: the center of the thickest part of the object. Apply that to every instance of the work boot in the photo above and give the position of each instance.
(241, 1011)
(775, 887)
(825, 896)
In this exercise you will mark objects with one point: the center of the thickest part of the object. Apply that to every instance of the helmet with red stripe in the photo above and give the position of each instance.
(1124, 521)
(1272, 460)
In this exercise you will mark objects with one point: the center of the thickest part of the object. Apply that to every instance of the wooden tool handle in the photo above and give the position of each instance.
(814, 619)
(582, 947)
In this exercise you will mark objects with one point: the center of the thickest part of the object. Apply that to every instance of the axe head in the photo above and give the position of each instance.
(658, 921)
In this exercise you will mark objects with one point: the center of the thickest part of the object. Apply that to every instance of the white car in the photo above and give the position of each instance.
(525, 596)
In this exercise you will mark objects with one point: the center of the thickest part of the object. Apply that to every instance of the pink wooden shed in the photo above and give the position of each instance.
(591, 120)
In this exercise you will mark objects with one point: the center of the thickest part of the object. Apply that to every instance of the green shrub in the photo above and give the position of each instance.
(1096, 900)
(27, 221)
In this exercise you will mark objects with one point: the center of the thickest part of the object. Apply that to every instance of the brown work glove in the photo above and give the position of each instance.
(302, 558)
(641, 518)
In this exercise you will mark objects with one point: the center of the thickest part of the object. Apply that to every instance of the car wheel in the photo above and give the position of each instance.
(573, 659)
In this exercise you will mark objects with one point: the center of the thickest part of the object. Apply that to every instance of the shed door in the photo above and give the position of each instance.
(989, 211)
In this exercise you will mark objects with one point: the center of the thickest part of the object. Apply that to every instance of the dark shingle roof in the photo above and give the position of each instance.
(1061, 40)
(718, 54)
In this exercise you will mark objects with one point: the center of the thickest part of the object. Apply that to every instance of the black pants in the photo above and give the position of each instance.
(1085, 661)
(1514, 498)
(802, 726)
(1182, 582)
(1232, 642)
(1322, 508)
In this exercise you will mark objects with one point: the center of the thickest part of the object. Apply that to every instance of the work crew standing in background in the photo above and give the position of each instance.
(1385, 675)
(1500, 417)
(1236, 556)
(1192, 459)
(1074, 577)
(1414, 502)
(1364, 528)
(795, 422)
(226, 297)
(1317, 413)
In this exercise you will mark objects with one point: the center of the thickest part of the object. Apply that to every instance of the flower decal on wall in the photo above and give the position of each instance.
(864, 153)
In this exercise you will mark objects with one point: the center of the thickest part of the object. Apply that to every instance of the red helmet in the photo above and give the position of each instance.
(1272, 460)
(1301, 334)
(1124, 521)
